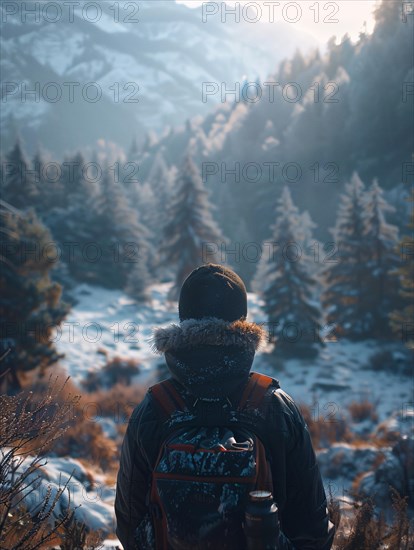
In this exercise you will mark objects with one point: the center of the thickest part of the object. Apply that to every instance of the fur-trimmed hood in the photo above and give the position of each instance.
(210, 357)
(208, 331)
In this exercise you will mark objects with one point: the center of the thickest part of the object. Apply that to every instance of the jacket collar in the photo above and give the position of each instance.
(208, 331)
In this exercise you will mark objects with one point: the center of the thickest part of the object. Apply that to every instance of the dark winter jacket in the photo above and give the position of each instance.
(212, 358)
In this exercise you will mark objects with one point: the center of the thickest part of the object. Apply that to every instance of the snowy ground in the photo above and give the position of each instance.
(108, 321)
(77, 487)
(105, 320)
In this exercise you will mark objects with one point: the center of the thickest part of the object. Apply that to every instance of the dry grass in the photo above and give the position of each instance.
(365, 530)
(29, 425)
(118, 402)
(386, 436)
(116, 371)
(83, 436)
(326, 430)
(76, 536)
(363, 410)
(61, 419)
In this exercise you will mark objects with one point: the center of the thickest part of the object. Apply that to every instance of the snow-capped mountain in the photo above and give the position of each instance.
(82, 74)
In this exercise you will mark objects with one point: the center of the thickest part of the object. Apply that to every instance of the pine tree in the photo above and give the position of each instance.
(19, 182)
(345, 277)
(381, 283)
(288, 285)
(138, 279)
(143, 200)
(77, 182)
(189, 228)
(30, 305)
(402, 319)
(159, 177)
(38, 164)
(297, 65)
(48, 184)
(72, 219)
(120, 236)
(158, 195)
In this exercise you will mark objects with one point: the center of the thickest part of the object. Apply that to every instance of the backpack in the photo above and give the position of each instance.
(211, 457)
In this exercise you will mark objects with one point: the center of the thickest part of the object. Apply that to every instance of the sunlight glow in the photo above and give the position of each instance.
(351, 16)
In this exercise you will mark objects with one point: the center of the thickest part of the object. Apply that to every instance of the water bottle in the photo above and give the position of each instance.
(261, 522)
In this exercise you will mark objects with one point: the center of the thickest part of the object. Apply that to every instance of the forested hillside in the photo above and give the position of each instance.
(311, 124)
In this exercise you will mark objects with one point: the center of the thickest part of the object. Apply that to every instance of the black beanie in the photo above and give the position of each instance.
(213, 291)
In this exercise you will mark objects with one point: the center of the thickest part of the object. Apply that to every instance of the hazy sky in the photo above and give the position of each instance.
(349, 14)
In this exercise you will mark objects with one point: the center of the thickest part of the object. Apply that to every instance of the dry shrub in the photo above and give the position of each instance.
(382, 360)
(356, 482)
(29, 411)
(83, 437)
(326, 430)
(368, 531)
(334, 509)
(387, 361)
(385, 435)
(76, 536)
(29, 424)
(362, 410)
(117, 371)
(401, 535)
(117, 404)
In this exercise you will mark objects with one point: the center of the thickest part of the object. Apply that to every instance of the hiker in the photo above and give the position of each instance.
(206, 422)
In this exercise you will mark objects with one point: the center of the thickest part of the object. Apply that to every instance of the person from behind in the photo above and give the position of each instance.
(202, 440)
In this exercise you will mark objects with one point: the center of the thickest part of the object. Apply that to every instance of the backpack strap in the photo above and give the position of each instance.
(255, 391)
(167, 398)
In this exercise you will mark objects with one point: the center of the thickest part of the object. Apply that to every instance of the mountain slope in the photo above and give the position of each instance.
(148, 66)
